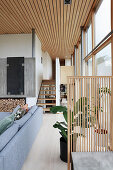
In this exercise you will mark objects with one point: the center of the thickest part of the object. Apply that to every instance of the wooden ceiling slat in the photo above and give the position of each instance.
(57, 17)
(56, 25)
(41, 23)
(36, 26)
(45, 15)
(18, 15)
(6, 25)
(40, 33)
(21, 15)
(45, 21)
(8, 11)
(77, 17)
(67, 23)
(8, 19)
(88, 6)
(49, 9)
(72, 10)
(62, 27)
(49, 22)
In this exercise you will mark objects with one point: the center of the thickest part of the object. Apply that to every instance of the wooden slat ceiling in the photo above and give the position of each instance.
(56, 25)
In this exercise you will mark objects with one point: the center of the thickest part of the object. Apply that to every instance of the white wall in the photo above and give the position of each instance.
(15, 45)
(57, 82)
(20, 45)
(47, 66)
(39, 65)
(68, 62)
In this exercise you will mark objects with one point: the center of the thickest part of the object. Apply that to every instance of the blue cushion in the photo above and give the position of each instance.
(15, 109)
(4, 114)
(8, 135)
(23, 120)
(33, 109)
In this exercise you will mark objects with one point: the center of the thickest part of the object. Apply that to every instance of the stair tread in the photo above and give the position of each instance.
(47, 94)
(47, 90)
(47, 86)
(52, 84)
(46, 98)
(47, 80)
(46, 109)
(46, 104)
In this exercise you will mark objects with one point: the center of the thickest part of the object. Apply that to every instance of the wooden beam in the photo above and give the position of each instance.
(103, 45)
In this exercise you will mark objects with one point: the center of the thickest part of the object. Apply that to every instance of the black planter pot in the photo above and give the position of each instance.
(63, 149)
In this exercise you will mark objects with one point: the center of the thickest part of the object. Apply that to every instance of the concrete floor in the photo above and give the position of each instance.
(45, 152)
(92, 160)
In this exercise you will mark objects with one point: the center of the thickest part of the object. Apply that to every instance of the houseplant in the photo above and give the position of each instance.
(62, 126)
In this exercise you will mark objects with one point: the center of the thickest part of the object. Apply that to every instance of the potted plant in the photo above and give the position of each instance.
(62, 126)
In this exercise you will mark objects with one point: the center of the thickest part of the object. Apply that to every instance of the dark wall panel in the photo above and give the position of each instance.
(15, 75)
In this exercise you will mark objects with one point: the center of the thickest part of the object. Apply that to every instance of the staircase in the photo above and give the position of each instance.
(47, 95)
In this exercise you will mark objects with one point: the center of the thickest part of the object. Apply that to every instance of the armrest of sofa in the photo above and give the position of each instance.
(1, 163)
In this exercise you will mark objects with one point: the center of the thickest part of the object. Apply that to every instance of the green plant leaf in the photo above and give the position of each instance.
(56, 109)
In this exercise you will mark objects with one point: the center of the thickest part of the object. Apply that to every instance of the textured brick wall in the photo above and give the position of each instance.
(7, 105)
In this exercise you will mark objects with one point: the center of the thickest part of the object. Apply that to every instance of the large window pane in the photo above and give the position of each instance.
(90, 67)
(89, 39)
(103, 62)
(102, 21)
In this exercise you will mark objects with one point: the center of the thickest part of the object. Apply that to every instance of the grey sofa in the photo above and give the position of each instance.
(15, 142)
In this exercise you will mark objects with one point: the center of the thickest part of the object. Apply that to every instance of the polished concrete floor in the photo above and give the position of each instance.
(45, 152)
(92, 160)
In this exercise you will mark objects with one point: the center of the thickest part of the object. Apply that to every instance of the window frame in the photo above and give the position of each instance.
(102, 45)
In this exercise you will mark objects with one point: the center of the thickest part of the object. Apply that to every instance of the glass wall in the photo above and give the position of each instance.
(89, 67)
(102, 20)
(102, 26)
(89, 39)
(103, 65)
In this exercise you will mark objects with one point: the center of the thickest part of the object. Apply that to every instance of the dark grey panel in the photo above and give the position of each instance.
(29, 74)
(3, 77)
(15, 75)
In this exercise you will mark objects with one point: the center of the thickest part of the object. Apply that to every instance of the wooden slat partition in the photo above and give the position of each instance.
(89, 101)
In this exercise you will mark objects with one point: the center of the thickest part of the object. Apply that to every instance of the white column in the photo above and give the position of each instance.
(68, 62)
(57, 82)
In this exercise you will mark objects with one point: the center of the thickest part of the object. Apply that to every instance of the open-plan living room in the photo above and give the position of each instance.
(56, 83)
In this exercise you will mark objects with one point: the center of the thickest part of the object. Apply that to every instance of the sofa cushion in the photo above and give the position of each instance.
(33, 109)
(6, 122)
(15, 109)
(4, 114)
(23, 120)
(8, 135)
